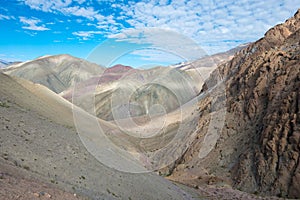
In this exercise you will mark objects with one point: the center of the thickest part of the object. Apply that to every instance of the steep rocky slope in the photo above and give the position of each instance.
(259, 144)
(269, 96)
(55, 72)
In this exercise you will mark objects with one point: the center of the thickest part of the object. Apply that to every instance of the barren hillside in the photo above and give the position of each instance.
(38, 137)
(55, 72)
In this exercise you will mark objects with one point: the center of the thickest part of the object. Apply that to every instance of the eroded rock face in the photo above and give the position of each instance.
(258, 150)
(270, 102)
(267, 87)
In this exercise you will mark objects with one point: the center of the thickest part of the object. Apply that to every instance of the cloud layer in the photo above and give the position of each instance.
(214, 25)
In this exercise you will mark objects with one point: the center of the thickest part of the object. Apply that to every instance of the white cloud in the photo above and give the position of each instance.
(85, 35)
(31, 33)
(64, 7)
(2, 17)
(216, 25)
(80, 1)
(79, 21)
(164, 40)
(83, 9)
(88, 12)
(32, 24)
(156, 56)
(47, 5)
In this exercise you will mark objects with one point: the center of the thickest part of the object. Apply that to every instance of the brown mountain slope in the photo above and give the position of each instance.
(55, 72)
(259, 145)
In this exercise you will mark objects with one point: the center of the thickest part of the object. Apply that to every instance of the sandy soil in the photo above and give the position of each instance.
(17, 183)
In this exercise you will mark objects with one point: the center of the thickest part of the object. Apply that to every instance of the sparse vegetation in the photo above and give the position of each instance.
(68, 127)
(16, 163)
(4, 104)
(26, 167)
(53, 181)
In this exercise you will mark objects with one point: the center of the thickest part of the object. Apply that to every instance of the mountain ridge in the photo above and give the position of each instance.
(57, 72)
(258, 149)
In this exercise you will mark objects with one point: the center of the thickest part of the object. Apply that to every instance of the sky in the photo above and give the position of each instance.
(144, 30)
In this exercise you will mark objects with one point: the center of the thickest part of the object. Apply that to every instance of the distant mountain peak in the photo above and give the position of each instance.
(57, 72)
(4, 63)
(119, 68)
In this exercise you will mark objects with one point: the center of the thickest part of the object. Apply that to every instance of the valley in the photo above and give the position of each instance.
(225, 126)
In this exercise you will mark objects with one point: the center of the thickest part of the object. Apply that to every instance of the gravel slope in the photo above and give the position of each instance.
(37, 135)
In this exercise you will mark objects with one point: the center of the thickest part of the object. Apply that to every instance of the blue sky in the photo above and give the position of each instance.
(33, 28)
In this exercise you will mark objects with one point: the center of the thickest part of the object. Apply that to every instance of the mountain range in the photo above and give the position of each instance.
(226, 126)
(4, 63)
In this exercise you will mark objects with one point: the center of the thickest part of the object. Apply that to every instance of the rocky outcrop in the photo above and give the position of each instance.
(259, 146)
(267, 88)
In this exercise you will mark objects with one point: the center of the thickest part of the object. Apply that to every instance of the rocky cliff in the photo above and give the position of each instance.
(259, 145)
(266, 91)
